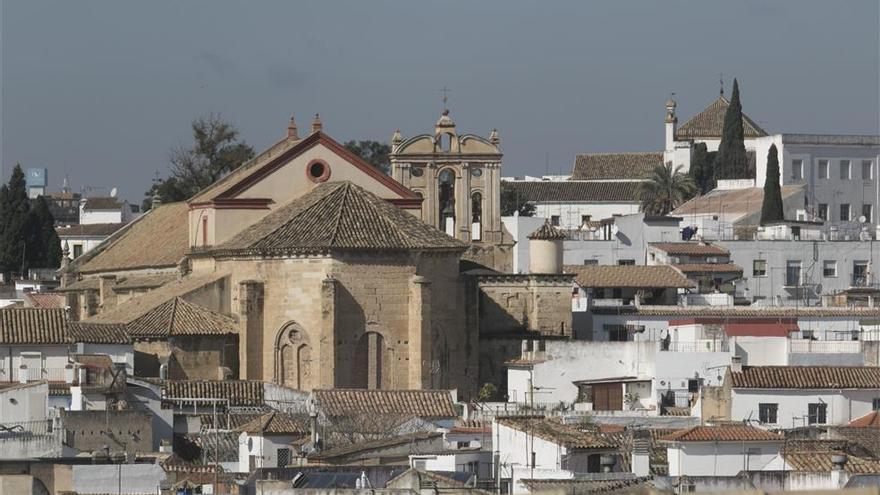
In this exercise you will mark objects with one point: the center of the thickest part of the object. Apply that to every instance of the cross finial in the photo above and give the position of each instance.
(445, 95)
(721, 82)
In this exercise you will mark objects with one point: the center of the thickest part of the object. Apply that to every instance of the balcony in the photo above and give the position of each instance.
(24, 375)
(808, 346)
(611, 303)
(702, 345)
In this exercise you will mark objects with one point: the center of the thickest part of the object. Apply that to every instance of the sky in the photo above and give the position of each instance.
(102, 90)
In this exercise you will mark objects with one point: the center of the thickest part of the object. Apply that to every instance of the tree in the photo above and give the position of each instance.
(43, 243)
(664, 189)
(702, 169)
(732, 162)
(771, 208)
(512, 202)
(13, 222)
(372, 152)
(216, 151)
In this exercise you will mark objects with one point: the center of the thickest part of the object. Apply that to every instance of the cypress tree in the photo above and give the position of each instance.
(732, 162)
(771, 208)
(15, 217)
(701, 168)
(43, 243)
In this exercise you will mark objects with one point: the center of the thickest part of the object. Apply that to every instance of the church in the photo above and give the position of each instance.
(310, 268)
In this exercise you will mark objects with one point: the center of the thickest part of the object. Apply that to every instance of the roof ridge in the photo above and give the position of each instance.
(172, 315)
(343, 207)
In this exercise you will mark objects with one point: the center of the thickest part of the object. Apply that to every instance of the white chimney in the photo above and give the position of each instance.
(736, 365)
(640, 462)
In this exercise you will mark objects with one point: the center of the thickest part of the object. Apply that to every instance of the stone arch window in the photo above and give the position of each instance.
(446, 195)
(368, 361)
(293, 357)
(476, 216)
(445, 141)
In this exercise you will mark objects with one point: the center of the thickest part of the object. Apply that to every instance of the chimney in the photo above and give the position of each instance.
(156, 200)
(292, 132)
(839, 476)
(313, 429)
(105, 290)
(736, 364)
(317, 125)
(641, 465)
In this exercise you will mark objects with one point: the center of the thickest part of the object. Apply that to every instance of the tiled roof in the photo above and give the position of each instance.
(33, 326)
(821, 462)
(88, 229)
(636, 276)
(569, 486)
(91, 283)
(710, 268)
(832, 139)
(615, 165)
(181, 317)
(807, 377)
(731, 201)
(547, 232)
(573, 191)
(239, 392)
(381, 443)
(102, 204)
(758, 312)
(156, 239)
(338, 215)
(417, 403)
(690, 248)
(710, 123)
(98, 334)
(726, 433)
(44, 300)
(870, 420)
(143, 281)
(276, 423)
(554, 431)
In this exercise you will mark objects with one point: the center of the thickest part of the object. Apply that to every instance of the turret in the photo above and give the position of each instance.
(671, 124)
(545, 250)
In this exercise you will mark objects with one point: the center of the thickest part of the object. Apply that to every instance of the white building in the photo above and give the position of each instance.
(101, 210)
(82, 238)
(722, 451)
(267, 442)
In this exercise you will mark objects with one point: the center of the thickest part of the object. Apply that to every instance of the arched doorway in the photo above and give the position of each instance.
(368, 361)
(293, 357)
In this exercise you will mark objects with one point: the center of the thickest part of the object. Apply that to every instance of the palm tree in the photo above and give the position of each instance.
(664, 189)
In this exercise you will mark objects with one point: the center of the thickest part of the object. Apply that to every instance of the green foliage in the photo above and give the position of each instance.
(771, 208)
(43, 243)
(372, 152)
(487, 391)
(732, 162)
(27, 229)
(511, 203)
(215, 152)
(664, 189)
(702, 169)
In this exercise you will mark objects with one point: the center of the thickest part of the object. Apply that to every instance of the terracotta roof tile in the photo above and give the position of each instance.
(338, 215)
(100, 203)
(725, 433)
(570, 486)
(807, 377)
(33, 326)
(731, 201)
(574, 191)
(276, 423)
(144, 281)
(416, 403)
(547, 232)
(636, 276)
(870, 420)
(615, 165)
(710, 268)
(381, 443)
(88, 230)
(156, 239)
(181, 317)
(690, 248)
(710, 123)
(821, 462)
(554, 431)
(99, 334)
(239, 392)
(45, 300)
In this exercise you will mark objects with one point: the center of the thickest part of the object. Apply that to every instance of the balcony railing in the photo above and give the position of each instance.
(808, 346)
(703, 345)
(23, 375)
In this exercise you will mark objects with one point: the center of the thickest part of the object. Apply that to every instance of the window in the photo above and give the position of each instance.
(585, 219)
(417, 171)
(477, 172)
(844, 212)
(626, 262)
(867, 210)
(793, 273)
(758, 298)
(860, 274)
(767, 413)
(808, 334)
(867, 170)
(554, 220)
(616, 333)
(829, 268)
(797, 169)
(759, 268)
(822, 211)
(845, 172)
(591, 262)
(875, 404)
(823, 169)
(283, 457)
(462, 444)
(77, 250)
(318, 171)
(816, 413)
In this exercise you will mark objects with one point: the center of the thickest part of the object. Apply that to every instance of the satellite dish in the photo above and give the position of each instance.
(113, 192)
(863, 219)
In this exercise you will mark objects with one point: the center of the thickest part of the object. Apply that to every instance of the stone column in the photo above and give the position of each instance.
(251, 300)
(494, 216)
(419, 333)
(430, 215)
(327, 342)
(462, 198)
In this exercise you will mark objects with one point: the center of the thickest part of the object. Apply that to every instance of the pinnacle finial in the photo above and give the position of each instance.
(292, 130)
(317, 125)
(396, 138)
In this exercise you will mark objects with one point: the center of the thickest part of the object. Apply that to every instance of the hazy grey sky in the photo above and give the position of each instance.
(100, 90)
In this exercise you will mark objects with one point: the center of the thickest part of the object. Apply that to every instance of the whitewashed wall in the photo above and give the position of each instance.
(722, 458)
(843, 406)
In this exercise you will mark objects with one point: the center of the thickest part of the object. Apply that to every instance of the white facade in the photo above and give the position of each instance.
(34, 362)
(841, 406)
(723, 458)
(255, 451)
(477, 462)
(24, 403)
(570, 215)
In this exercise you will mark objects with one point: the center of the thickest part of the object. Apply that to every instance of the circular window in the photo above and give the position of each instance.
(417, 171)
(318, 171)
(477, 172)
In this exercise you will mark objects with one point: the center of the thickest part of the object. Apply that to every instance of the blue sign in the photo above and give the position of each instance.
(36, 177)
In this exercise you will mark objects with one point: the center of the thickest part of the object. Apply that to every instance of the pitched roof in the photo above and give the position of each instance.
(615, 165)
(275, 423)
(710, 268)
(690, 248)
(574, 191)
(381, 443)
(181, 317)
(417, 403)
(33, 326)
(98, 334)
(102, 204)
(731, 201)
(870, 420)
(239, 392)
(636, 276)
(547, 232)
(88, 229)
(807, 377)
(722, 433)
(143, 281)
(554, 431)
(821, 462)
(574, 486)
(338, 215)
(45, 300)
(710, 123)
(156, 239)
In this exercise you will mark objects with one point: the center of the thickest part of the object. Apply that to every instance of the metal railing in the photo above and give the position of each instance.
(707, 345)
(808, 346)
(57, 375)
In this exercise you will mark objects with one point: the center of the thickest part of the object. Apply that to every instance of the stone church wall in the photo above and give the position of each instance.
(203, 357)
(525, 303)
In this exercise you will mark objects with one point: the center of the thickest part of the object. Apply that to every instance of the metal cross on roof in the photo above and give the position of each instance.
(445, 92)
